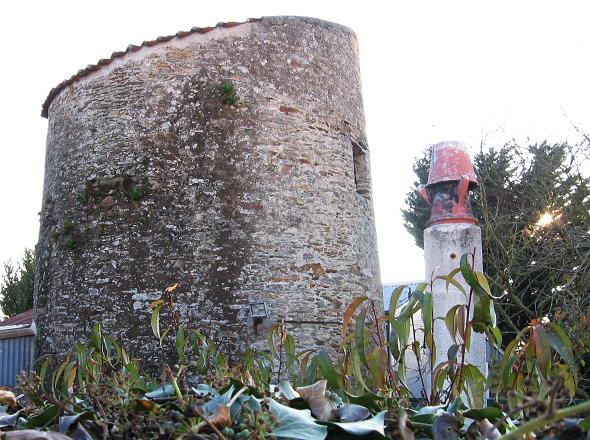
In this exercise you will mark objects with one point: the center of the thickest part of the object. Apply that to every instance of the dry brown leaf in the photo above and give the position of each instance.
(315, 396)
(155, 303)
(172, 288)
(221, 419)
(488, 431)
(247, 380)
(146, 404)
(7, 398)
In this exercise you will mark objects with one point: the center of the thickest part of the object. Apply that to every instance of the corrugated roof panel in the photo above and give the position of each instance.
(389, 288)
(16, 356)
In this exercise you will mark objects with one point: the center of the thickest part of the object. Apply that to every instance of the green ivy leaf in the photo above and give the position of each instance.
(287, 390)
(433, 409)
(460, 325)
(476, 280)
(162, 391)
(289, 347)
(374, 425)
(58, 373)
(295, 423)
(42, 419)
(71, 425)
(9, 420)
(431, 344)
(370, 400)
(351, 412)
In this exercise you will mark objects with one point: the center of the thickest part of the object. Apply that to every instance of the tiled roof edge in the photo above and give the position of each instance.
(130, 49)
(25, 317)
(277, 20)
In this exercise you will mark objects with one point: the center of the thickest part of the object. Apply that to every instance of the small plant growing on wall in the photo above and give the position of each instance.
(227, 92)
(136, 193)
(70, 243)
(84, 198)
(67, 227)
(68, 236)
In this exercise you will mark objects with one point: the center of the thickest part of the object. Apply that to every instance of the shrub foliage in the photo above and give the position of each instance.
(18, 283)
(533, 204)
(99, 391)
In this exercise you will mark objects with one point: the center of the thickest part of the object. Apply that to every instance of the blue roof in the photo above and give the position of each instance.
(389, 288)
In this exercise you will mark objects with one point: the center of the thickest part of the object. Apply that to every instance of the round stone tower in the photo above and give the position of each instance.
(257, 202)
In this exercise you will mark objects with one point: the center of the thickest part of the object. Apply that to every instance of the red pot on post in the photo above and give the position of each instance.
(450, 178)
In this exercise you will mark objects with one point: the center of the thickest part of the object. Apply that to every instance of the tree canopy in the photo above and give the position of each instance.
(533, 205)
(17, 285)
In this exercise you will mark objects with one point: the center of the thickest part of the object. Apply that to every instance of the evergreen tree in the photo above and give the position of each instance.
(18, 283)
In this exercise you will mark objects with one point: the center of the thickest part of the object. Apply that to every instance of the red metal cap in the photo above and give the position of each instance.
(450, 162)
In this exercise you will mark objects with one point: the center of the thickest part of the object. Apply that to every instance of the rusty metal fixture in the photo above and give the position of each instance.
(450, 178)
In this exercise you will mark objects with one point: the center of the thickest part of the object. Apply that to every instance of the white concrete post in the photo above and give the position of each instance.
(443, 246)
(452, 232)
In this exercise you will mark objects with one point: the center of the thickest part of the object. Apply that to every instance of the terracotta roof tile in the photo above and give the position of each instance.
(21, 318)
(131, 48)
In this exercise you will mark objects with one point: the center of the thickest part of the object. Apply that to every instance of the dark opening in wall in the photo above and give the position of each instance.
(361, 169)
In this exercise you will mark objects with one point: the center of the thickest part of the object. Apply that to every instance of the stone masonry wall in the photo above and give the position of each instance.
(151, 180)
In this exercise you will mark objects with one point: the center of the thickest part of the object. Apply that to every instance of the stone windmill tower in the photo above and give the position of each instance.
(153, 176)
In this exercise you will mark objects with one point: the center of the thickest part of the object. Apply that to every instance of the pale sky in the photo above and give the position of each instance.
(431, 71)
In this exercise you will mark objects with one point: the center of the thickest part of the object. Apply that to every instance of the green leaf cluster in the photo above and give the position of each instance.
(227, 93)
(99, 391)
(17, 285)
